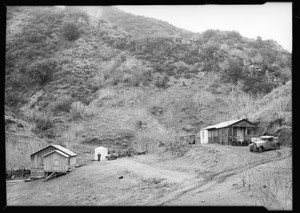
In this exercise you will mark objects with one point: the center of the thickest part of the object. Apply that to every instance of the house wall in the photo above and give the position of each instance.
(61, 166)
(72, 162)
(37, 162)
(223, 135)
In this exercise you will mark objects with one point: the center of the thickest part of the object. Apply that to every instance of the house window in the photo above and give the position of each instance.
(55, 162)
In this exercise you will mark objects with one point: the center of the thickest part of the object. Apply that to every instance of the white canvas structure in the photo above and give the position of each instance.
(103, 152)
(203, 136)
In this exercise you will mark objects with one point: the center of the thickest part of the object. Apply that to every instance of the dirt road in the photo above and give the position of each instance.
(205, 175)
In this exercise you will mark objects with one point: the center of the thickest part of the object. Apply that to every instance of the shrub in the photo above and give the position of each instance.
(151, 139)
(42, 71)
(63, 104)
(234, 73)
(162, 82)
(77, 110)
(14, 98)
(70, 31)
(285, 75)
(42, 121)
(181, 67)
(188, 75)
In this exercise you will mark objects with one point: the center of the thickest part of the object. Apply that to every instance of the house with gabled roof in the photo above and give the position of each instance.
(60, 156)
(227, 132)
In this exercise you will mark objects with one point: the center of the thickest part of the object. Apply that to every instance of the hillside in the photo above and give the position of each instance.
(84, 76)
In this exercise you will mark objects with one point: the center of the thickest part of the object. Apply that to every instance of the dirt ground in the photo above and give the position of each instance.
(209, 174)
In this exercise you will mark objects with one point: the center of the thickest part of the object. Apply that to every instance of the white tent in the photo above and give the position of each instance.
(103, 151)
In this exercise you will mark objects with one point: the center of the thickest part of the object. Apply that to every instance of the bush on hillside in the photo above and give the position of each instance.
(151, 139)
(62, 104)
(257, 85)
(14, 98)
(285, 75)
(77, 110)
(234, 73)
(162, 82)
(42, 71)
(42, 121)
(70, 31)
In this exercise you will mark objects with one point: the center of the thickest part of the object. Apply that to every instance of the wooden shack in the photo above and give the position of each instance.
(228, 132)
(37, 159)
(57, 162)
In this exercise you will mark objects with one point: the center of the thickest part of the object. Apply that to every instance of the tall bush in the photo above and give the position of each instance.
(42, 71)
(234, 73)
(77, 110)
(70, 31)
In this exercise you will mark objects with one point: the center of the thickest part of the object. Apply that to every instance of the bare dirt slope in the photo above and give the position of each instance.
(205, 175)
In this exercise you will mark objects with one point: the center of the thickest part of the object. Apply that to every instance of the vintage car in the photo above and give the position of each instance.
(264, 143)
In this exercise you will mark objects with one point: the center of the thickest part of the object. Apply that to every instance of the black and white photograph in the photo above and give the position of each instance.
(149, 105)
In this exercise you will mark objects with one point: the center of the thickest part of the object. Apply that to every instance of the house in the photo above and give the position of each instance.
(228, 132)
(58, 162)
(37, 159)
(103, 151)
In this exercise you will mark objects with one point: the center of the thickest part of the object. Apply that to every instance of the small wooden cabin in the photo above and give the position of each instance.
(228, 132)
(37, 159)
(57, 161)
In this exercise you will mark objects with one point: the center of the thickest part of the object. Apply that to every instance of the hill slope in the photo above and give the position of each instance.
(83, 74)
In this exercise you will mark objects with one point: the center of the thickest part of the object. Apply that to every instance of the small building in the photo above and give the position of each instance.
(57, 161)
(202, 137)
(103, 152)
(228, 132)
(37, 159)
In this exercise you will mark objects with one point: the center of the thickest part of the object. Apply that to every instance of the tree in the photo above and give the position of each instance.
(234, 73)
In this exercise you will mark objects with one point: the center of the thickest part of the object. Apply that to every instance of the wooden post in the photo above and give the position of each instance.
(246, 135)
(49, 176)
(231, 134)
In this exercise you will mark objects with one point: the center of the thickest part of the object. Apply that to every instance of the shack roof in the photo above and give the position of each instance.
(63, 149)
(224, 124)
(57, 151)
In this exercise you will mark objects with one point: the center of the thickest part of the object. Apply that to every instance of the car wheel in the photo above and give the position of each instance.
(260, 149)
(277, 146)
(251, 150)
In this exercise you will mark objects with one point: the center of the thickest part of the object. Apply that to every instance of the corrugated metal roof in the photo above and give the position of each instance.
(59, 152)
(64, 150)
(223, 124)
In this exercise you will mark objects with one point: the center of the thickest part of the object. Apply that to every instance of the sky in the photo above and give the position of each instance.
(269, 21)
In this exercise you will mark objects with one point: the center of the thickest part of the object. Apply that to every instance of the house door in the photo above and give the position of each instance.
(240, 134)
